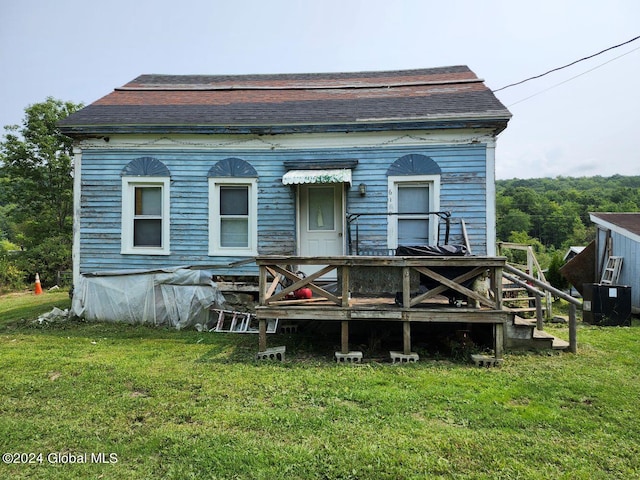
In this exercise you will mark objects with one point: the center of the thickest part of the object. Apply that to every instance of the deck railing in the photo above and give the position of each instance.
(397, 273)
(375, 276)
(280, 283)
(532, 268)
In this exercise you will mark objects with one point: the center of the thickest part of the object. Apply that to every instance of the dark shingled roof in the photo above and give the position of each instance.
(625, 221)
(447, 97)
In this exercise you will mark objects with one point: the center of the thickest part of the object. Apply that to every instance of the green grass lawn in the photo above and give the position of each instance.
(159, 403)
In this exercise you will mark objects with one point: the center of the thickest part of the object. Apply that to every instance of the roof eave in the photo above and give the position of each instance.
(496, 123)
(602, 222)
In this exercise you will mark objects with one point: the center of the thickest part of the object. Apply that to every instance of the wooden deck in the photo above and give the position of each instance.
(366, 290)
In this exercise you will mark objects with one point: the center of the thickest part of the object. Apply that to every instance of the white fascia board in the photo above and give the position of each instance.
(252, 142)
(614, 228)
(491, 198)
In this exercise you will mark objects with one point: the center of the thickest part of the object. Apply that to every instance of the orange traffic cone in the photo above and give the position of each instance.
(38, 290)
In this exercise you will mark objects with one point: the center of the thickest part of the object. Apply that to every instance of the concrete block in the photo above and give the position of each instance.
(289, 328)
(351, 357)
(486, 361)
(275, 353)
(404, 358)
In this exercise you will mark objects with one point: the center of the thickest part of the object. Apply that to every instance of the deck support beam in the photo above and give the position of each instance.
(406, 337)
(499, 340)
(344, 344)
(406, 287)
(262, 335)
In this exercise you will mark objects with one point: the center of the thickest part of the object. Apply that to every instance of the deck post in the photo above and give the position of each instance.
(496, 284)
(262, 335)
(406, 337)
(345, 285)
(499, 339)
(262, 285)
(406, 287)
(344, 347)
(539, 318)
(573, 333)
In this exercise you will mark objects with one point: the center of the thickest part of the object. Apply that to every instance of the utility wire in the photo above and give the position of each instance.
(572, 78)
(567, 65)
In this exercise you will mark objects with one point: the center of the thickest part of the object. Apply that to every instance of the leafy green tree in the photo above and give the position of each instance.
(37, 193)
(558, 208)
(553, 274)
(514, 220)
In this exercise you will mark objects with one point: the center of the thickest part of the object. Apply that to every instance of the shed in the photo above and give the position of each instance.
(618, 235)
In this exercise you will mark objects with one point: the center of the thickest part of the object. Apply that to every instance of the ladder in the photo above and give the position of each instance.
(611, 271)
(240, 322)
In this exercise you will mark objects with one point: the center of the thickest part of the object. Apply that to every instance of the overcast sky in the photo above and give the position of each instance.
(80, 50)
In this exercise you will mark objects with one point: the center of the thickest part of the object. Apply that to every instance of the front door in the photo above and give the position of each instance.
(320, 222)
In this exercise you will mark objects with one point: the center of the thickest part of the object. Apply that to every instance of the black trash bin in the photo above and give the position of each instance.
(606, 305)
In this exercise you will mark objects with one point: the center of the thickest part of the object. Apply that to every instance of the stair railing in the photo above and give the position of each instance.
(545, 287)
(532, 268)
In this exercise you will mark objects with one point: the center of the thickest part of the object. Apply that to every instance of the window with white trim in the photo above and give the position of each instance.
(411, 198)
(233, 219)
(145, 215)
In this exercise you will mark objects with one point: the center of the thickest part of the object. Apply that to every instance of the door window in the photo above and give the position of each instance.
(321, 215)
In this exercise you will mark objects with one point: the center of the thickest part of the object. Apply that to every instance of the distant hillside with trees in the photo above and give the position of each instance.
(552, 214)
(555, 211)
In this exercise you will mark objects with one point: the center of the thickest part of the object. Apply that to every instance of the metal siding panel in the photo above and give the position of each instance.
(630, 273)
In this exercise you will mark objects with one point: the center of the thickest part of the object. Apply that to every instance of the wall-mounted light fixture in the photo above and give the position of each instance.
(362, 188)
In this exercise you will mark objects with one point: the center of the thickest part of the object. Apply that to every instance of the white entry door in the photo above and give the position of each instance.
(321, 222)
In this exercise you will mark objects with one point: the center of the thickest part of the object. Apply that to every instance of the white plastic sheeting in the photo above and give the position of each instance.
(178, 297)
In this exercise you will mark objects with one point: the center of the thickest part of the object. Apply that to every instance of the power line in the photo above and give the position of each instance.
(567, 65)
(572, 78)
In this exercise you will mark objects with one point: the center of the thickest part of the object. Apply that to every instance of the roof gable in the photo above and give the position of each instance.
(626, 224)
(447, 97)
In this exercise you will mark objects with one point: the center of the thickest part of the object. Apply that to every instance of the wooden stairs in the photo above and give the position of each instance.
(521, 332)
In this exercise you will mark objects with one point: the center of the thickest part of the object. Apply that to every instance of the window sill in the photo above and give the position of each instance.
(145, 251)
(233, 253)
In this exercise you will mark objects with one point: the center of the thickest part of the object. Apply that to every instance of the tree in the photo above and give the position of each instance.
(557, 210)
(37, 193)
(513, 221)
(553, 274)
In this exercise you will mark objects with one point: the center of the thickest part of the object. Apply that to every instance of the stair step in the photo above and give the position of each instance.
(521, 310)
(556, 343)
(559, 344)
(519, 299)
(524, 322)
(542, 334)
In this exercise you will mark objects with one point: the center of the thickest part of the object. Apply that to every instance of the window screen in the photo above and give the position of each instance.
(234, 216)
(413, 218)
(147, 219)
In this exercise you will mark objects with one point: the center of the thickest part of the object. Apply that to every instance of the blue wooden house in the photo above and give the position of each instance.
(210, 171)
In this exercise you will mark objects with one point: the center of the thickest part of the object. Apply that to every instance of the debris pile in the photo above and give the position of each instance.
(55, 316)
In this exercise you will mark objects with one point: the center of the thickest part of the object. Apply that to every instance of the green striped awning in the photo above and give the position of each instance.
(342, 175)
